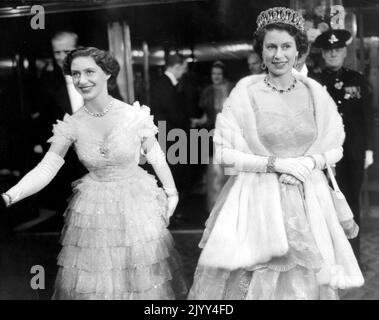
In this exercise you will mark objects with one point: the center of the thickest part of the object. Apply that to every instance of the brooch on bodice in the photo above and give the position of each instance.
(103, 151)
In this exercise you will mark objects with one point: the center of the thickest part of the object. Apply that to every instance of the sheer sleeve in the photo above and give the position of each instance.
(63, 132)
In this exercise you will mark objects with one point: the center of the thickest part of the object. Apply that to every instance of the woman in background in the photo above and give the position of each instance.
(211, 101)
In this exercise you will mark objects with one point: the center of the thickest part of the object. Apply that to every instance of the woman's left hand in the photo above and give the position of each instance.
(308, 162)
(172, 202)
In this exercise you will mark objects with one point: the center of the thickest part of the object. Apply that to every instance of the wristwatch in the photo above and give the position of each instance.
(270, 167)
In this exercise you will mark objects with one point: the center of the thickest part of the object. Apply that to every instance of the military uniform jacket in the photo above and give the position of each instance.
(351, 92)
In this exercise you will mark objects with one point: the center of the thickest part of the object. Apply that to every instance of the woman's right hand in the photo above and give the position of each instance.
(3, 202)
(294, 167)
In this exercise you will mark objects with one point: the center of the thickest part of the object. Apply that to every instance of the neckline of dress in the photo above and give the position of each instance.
(105, 138)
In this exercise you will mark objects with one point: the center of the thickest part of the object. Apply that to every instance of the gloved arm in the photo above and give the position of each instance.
(315, 161)
(332, 157)
(369, 158)
(242, 161)
(157, 159)
(307, 161)
(36, 179)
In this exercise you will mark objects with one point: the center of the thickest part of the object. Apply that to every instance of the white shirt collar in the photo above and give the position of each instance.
(172, 77)
(76, 99)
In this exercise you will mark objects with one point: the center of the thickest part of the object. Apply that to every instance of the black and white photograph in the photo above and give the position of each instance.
(189, 150)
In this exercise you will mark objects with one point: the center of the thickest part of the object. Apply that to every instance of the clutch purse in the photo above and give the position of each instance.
(344, 214)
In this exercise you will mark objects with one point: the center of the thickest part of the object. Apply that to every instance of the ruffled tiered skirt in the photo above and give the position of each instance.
(116, 244)
(289, 277)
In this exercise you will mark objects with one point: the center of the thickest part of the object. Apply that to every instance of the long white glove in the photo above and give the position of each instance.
(36, 179)
(300, 168)
(332, 157)
(157, 159)
(369, 158)
(241, 161)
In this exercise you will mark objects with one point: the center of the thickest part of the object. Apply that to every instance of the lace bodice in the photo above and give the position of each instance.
(285, 130)
(114, 154)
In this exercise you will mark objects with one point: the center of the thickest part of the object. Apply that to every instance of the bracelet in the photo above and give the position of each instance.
(270, 167)
(9, 198)
(171, 191)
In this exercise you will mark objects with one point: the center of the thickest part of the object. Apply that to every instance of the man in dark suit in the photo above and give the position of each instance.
(166, 104)
(350, 91)
(168, 108)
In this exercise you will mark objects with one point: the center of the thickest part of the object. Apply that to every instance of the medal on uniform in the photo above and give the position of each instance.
(338, 85)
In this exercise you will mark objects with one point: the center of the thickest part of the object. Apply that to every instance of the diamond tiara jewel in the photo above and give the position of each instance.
(282, 15)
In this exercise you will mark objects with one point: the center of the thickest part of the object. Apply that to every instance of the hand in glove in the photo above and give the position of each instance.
(369, 158)
(288, 179)
(157, 159)
(3, 203)
(308, 162)
(172, 202)
(297, 167)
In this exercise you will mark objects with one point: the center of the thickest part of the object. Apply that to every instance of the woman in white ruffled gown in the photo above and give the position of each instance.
(115, 241)
(274, 232)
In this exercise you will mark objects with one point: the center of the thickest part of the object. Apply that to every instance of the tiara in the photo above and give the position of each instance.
(282, 15)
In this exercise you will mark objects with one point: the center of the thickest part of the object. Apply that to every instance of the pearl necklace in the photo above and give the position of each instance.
(291, 87)
(102, 113)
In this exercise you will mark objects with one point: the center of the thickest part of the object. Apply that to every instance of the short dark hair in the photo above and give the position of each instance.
(102, 58)
(173, 59)
(65, 33)
(300, 37)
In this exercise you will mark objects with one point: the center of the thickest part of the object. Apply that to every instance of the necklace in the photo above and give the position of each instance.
(291, 87)
(102, 113)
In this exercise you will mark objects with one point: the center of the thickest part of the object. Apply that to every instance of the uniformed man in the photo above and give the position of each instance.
(351, 92)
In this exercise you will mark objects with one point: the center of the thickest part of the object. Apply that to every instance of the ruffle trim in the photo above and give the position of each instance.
(151, 223)
(138, 255)
(62, 132)
(144, 121)
(103, 238)
(158, 281)
(117, 206)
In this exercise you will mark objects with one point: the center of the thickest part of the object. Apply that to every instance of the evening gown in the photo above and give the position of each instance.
(286, 131)
(115, 244)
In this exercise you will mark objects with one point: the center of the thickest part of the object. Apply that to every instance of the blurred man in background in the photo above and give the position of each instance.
(255, 63)
(167, 105)
(351, 93)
